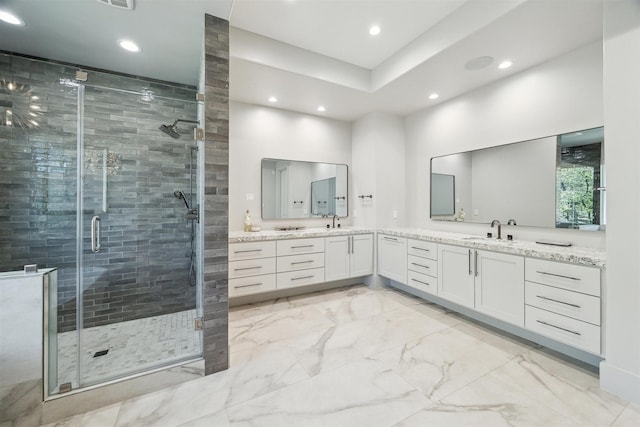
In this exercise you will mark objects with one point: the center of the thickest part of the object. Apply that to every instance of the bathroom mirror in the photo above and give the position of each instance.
(551, 182)
(293, 189)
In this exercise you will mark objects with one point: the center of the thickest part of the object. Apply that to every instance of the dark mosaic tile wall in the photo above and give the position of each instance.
(216, 306)
(143, 267)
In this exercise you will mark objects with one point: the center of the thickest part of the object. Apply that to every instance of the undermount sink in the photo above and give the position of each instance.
(487, 239)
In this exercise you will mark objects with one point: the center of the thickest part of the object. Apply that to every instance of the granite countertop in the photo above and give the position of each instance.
(256, 236)
(572, 254)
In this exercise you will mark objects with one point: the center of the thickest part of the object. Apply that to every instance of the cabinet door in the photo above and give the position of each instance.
(336, 261)
(361, 255)
(392, 258)
(500, 286)
(455, 274)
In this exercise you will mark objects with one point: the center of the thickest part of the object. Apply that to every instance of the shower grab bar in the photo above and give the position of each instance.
(95, 234)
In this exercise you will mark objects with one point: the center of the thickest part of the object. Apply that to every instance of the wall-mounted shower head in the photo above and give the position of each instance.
(171, 129)
(180, 195)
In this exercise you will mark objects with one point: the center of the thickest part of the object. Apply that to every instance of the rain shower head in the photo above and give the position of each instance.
(171, 129)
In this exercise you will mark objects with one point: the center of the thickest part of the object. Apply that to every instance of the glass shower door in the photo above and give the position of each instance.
(138, 232)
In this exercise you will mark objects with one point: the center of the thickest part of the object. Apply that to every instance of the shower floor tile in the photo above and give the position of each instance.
(133, 346)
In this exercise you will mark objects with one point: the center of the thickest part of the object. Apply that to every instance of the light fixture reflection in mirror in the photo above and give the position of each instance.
(294, 189)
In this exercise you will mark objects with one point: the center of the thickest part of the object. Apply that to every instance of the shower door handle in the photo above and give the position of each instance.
(95, 234)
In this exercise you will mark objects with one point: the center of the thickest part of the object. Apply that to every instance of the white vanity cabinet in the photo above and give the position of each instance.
(422, 266)
(392, 257)
(489, 282)
(300, 262)
(252, 268)
(499, 286)
(348, 256)
(563, 303)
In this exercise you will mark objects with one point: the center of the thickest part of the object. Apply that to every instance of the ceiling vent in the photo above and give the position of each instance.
(120, 4)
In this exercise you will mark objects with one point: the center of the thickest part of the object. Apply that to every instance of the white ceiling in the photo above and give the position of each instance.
(312, 52)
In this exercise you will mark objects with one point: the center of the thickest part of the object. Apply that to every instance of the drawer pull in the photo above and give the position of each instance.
(247, 268)
(420, 265)
(301, 246)
(558, 301)
(248, 286)
(301, 262)
(420, 249)
(558, 327)
(247, 250)
(301, 278)
(420, 281)
(390, 238)
(558, 275)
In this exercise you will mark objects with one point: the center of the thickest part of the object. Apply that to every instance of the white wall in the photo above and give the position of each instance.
(559, 96)
(256, 132)
(620, 373)
(378, 163)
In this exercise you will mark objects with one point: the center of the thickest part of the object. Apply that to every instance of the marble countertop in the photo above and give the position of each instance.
(572, 254)
(256, 236)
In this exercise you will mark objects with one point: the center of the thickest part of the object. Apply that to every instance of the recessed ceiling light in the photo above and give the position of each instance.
(129, 45)
(273, 99)
(374, 30)
(505, 64)
(434, 96)
(321, 108)
(10, 18)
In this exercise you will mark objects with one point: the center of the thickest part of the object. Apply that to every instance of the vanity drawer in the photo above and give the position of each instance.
(300, 246)
(252, 285)
(577, 278)
(251, 250)
(422, 265)
(422, 249)
(422, 282)
(251, 267)
(292, 279)
(564, 329)
(300, 262)
(573, 304)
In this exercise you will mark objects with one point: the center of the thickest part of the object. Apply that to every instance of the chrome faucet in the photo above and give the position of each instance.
(496, 222)
(334, 220)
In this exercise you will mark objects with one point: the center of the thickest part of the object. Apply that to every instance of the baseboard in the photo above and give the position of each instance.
(620, 382)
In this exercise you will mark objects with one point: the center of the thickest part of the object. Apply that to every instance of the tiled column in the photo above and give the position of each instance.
(216, 189)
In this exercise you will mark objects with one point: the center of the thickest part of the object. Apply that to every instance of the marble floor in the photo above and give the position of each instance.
(133, 346)
(361, 357)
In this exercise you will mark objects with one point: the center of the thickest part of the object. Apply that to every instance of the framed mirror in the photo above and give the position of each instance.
(293, 189)
(552, 182)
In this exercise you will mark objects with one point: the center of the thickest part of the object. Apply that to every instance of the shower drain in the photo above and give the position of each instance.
(100, 353)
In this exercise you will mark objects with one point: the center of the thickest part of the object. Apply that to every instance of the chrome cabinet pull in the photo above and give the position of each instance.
(248, 286)
(248, 250)
(558, 275)
(95, 234)
(420, 281)
(301, 278)
(476, 264)
(558, 327)
(390, 238)
(469, 262)
(558, 301)
(420, 265)
(301, 262)
(420, 249)
(247, 268)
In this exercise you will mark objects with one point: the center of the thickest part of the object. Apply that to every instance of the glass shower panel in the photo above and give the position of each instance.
(138, 235)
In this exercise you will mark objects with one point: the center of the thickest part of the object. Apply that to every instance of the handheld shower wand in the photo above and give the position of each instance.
(180, 195)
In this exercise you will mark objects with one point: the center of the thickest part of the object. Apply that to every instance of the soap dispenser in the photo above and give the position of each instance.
(247, 221)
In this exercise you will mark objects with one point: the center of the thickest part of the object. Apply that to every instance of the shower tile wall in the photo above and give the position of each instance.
(143, 270)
